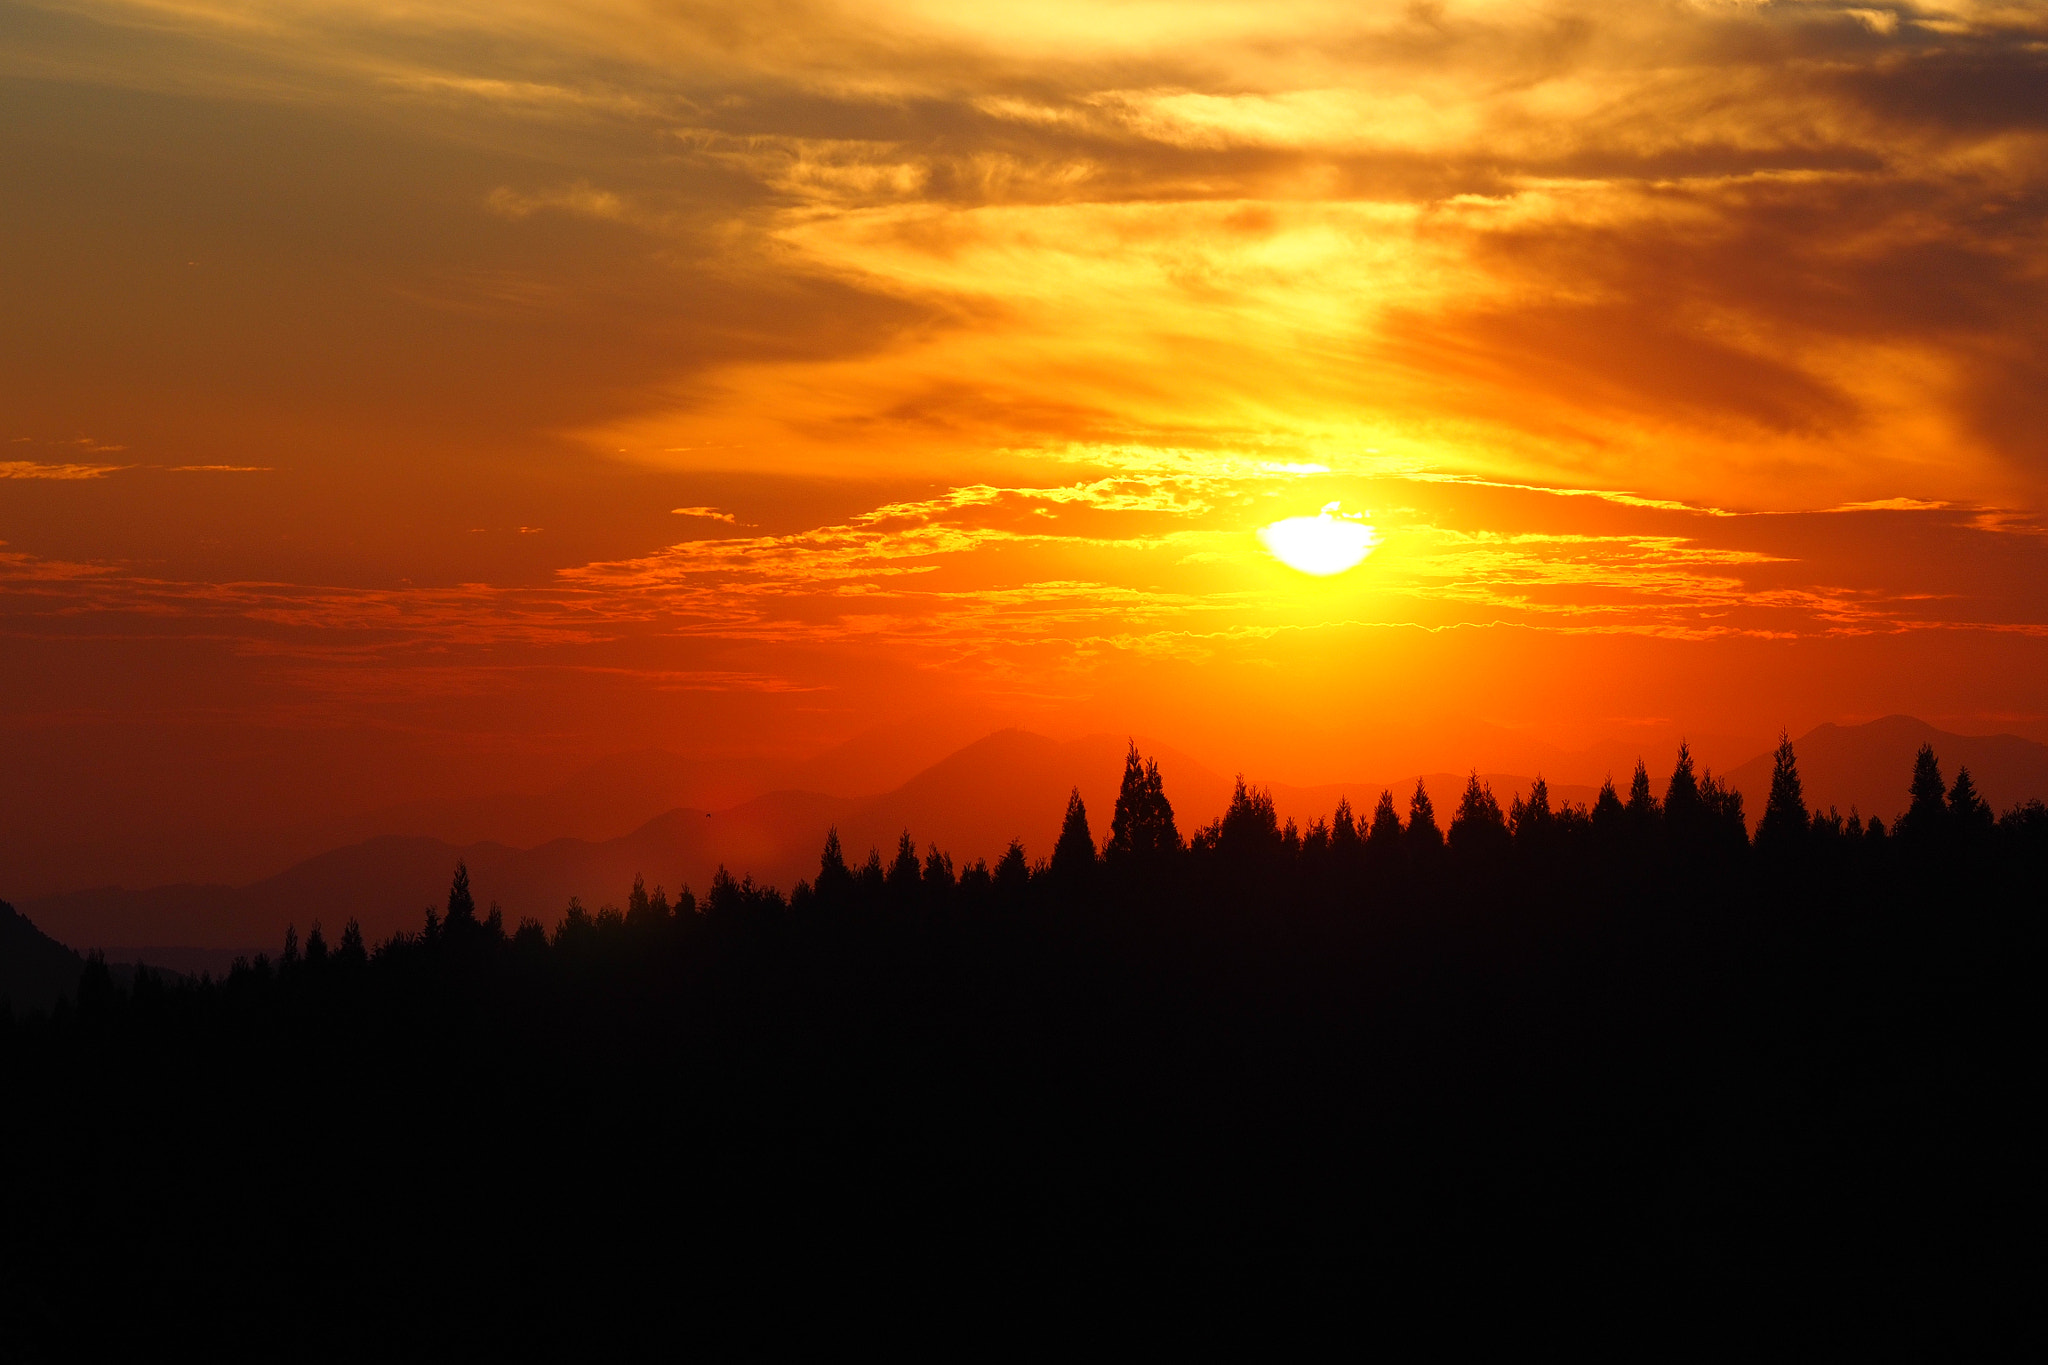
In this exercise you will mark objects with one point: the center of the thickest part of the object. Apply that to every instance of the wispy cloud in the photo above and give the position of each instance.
(30, 469)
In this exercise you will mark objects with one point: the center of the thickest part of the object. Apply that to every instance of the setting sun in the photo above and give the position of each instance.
(1325, 544)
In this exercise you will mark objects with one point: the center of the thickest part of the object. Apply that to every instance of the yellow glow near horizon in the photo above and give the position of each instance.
(1325, 544)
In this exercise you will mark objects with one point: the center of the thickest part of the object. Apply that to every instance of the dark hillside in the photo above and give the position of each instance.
(35, 969)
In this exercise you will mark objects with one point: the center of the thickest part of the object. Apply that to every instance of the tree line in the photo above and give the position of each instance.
(1689, 843)
(1630, 1040)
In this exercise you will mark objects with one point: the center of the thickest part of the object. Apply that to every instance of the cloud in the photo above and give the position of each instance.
(29, 469)
(581, 199)
(707, 513)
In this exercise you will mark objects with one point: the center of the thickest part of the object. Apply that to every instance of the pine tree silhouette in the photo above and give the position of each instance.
(1385, 832)
(1012, 876)
(1073, 856)
(1142, 828)
(1479, 832)
(1642, 802)
(1532, 822)
(1925, 823)
(1682, 792)
(872, 883)
(1344, 835)
(1610, 817)
(1783, 830)
(835, 878)
(352, 953)
(1969, 816)
(939, 880)
(461, 905)
(905, 875)
(1422, 838)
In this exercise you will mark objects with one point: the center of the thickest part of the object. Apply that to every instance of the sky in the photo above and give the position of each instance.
(406, 399)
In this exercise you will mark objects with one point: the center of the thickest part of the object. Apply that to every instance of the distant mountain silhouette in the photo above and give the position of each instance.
(1867, 766)
(1009, 785)
(883, 758)
(35, 969)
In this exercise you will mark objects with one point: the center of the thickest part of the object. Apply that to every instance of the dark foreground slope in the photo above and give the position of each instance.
(1182, 1093)
(35, 970)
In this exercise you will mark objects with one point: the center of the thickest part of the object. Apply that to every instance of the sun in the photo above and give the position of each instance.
(1324, 544)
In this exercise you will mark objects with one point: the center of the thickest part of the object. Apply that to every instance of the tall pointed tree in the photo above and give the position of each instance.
(1141, 829)
(1926, 820)
(905, 874)
(1479, 832)
(1423, 837)
(1344, 836)
(1073, 857)
(461, 904)
(1785, 826)
(1642, 802)
(835, 878)
(1610, 817)
(1682, 792)
(1968, 813)
(1385, 830)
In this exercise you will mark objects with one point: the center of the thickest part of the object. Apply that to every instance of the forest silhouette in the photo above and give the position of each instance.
(1388, 1048)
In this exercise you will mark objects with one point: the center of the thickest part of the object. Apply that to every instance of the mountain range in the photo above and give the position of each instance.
(1011, 784)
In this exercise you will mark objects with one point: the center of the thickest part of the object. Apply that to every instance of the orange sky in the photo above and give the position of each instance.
(409, 398)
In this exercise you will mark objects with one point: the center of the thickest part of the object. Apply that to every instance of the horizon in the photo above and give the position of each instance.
(415, 407)
(1002, 792)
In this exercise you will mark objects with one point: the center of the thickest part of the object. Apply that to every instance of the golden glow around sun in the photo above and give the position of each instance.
(1324, 544)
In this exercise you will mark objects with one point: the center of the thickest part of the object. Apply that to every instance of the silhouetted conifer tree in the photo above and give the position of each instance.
(977, 885)
(352, 953)
(1685, 828)
(1422, 839)
(1925, 822)
(1610, 818)
(872, 884)
(905, 876)
(1142, 828)
(725, 899)
(1012, 875)
(639, 908)
(1642, 802)
(1385, 832)
(1479, 832)
(1727, 829)
(461, 905)
(938, 875)
(835, 878)
(1532, 821)
(1073, 856)
(1251, 819)
(577, 928)
(1344, 835)
(1969, 816)
(1784, 827)
(1385, 858)
(1247, 838)
(1645, 818)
